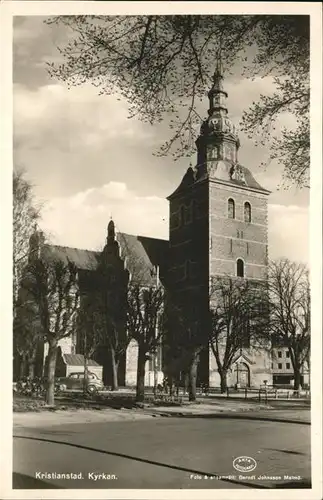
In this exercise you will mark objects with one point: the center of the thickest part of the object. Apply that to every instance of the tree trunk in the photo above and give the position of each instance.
(31, 369)
(171, 385)
(52, 355)
(192, 377)
(155, 375)
(223, 380)
(22, 367)
(141, 362)
(297, 378)
(186, 383)
(86, 374)
(115, 365)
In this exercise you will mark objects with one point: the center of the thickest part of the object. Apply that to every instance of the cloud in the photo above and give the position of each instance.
(69, 140)
(80, 221)
(78, 116)
(89, 160)
(288, 232)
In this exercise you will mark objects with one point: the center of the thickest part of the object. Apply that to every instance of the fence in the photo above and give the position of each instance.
(266, 393)
(263, 393)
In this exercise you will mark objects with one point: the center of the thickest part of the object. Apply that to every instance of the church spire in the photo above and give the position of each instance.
(217, 95)
(111, 232)
(218, 140)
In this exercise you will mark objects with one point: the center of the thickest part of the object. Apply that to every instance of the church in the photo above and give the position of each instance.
(218, 226)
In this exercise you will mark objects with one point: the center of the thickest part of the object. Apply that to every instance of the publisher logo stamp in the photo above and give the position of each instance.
(244, 464)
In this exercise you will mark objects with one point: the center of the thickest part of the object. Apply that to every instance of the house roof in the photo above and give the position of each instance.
(78, 360)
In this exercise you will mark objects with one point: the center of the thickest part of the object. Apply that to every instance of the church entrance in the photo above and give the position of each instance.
(242, 375)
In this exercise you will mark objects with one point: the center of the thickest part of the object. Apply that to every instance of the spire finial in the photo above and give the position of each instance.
(217, 94)
(218, 73)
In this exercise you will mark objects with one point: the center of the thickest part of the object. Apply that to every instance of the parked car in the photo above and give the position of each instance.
(76, 381)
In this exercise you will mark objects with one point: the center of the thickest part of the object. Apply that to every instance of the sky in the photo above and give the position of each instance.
(88, 161)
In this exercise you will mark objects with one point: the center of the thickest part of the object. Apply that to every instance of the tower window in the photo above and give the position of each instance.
(240, 268)
(231, 209)
(247, 212)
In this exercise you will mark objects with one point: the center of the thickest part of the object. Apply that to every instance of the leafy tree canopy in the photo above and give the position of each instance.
(163, 65)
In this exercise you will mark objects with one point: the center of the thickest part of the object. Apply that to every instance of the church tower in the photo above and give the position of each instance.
(218, 222)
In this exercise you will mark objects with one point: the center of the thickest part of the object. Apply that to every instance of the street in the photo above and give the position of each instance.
(162, 453)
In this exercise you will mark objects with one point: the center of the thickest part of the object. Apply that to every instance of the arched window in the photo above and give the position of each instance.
(247, 212)
(240, 268)
(231, 209)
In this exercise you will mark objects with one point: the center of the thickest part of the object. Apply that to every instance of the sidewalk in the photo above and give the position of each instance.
(242, 411)
(58, 417)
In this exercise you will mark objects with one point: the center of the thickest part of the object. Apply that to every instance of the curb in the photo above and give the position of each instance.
(240, 416)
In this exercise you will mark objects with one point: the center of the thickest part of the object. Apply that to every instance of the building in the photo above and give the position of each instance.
(282, 368)
(218, 227)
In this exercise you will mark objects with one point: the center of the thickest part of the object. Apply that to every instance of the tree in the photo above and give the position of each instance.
(162, 66)
(90, 326)
(290, 311)
(26, 337)
(51, 287)
(185, 338)
(144, 307)
(174, 346)
(26, 214)
(111, 302)
(239, 319)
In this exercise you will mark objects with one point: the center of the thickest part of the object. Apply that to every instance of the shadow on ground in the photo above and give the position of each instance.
(23, 482)
(296, 484)
(306, 483)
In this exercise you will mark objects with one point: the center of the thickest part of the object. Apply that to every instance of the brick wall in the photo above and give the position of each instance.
(231, 239)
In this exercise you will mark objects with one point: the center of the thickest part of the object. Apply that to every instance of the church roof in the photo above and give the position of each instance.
(191, 178)
(83, 259)
(143, 255)
(250, 180)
